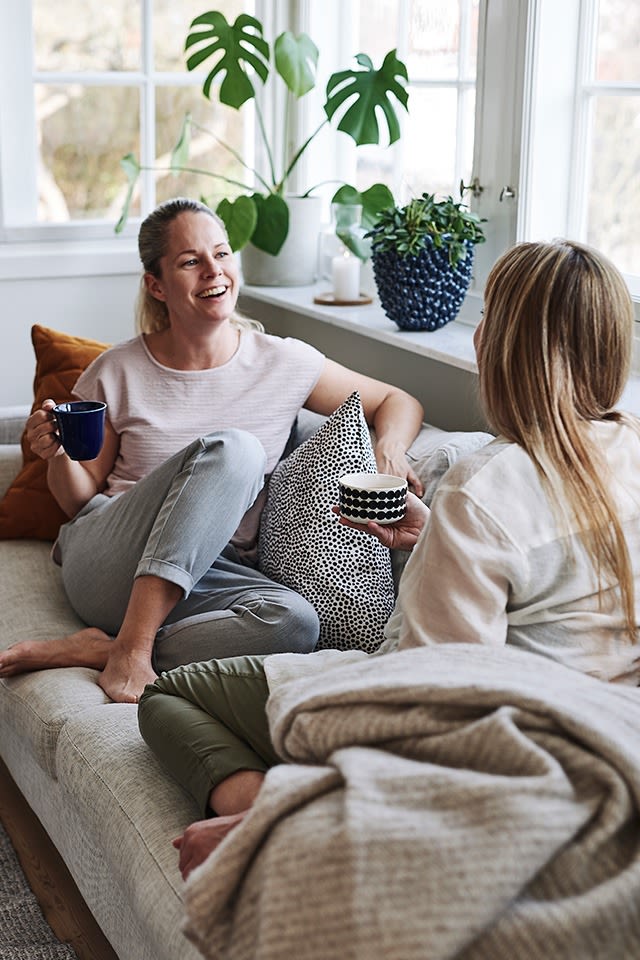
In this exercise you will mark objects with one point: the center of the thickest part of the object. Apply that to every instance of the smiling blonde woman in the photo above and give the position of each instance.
(159, 554)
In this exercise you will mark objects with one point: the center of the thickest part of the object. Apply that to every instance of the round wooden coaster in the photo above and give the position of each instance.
(329, 300)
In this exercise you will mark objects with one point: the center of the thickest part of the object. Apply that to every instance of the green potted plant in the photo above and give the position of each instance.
(261, 217)
(422, 256)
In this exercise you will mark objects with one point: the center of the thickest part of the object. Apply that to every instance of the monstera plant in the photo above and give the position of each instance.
(240, 60)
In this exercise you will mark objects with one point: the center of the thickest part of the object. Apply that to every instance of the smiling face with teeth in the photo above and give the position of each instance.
(198, 278)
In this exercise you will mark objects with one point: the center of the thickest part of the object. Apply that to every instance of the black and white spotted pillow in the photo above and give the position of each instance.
(344, 573)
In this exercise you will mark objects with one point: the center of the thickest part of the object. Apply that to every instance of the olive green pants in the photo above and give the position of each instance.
(205, 721)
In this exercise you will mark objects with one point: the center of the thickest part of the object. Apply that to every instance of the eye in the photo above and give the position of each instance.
(222, 253)
(190, 262)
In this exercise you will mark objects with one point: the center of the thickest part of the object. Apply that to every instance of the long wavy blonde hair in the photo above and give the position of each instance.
(554, 354)
(152, 315)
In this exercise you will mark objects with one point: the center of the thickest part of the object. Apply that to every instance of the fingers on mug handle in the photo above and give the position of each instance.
(48, 406)
(56, 425)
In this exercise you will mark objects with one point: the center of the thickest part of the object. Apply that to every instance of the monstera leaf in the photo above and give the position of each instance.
(239, 59)
(240, 45)
(376, 198)
(296, 61)
(371, 89)
(262, 220)
(273, 223)
(180, 153)
(132, 169)
(240, 217)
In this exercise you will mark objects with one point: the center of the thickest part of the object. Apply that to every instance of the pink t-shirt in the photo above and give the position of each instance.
(157, 411)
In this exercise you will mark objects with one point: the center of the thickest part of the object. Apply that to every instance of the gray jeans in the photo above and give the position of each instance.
(176, 523)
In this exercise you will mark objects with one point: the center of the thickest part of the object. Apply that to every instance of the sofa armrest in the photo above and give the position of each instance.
(12, 420)
(10, 464)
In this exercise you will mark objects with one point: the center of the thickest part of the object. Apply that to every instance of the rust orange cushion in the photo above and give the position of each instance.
(28, 509)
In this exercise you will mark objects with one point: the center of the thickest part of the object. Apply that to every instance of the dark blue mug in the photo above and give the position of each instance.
(80, 426)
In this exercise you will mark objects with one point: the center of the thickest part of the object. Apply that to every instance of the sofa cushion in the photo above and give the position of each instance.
(28, 510)
(33, 606)
(34, 707)
(431, 457)
(344, 573)
(121, 811)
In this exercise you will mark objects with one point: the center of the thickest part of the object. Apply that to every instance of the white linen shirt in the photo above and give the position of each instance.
(494, 566)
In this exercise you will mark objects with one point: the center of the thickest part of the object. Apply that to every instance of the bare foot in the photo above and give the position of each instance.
(126, 674)
(89, 647)
(202, 837)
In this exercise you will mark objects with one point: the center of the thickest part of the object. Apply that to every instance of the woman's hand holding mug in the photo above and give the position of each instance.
(75, 428)
(401, 535)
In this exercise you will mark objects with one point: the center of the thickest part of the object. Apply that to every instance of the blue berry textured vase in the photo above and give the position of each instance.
(421, 291)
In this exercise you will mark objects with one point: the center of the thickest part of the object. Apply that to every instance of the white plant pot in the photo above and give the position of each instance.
(296, 264)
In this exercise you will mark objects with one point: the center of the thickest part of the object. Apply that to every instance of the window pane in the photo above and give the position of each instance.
(434, 40)
(429, 143)
(206, 153)
(470, 53)
(83, 132)
(614, 198)
(428, 148)
(438, 41)
(87, 35)
(171, 22)
(618, 59)
(377, 28)
(376, 166)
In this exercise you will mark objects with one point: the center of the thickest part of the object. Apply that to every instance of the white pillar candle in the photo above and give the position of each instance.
(345, 274)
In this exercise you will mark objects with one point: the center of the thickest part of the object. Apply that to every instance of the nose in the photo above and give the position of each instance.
(212, 267)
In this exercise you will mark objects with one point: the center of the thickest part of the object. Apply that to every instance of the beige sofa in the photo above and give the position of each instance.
(79, 759)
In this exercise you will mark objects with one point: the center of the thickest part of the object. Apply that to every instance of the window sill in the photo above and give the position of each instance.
(452, 345)
(55, 259)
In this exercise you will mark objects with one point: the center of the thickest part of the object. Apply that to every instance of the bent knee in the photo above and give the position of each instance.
(148, 711)
(239, 444)
(289, 622)
(298, 627)
(304, 620)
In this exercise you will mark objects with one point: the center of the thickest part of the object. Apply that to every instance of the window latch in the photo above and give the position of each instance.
(475, 187)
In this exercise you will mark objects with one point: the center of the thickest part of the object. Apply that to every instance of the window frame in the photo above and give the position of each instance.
(505, 158)
(18, 151)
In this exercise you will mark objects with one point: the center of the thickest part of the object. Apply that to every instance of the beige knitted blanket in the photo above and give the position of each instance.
(448, 802)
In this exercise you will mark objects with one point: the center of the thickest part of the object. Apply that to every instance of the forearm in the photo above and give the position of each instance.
(395, 415)
(70, 483)
(397, 422)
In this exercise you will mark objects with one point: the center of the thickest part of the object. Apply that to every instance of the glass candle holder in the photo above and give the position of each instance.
(345, 220)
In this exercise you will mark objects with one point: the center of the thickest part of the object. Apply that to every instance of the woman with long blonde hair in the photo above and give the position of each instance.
(532, 540)
(535, 539)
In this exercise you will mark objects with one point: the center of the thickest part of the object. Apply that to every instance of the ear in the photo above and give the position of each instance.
(154, 286)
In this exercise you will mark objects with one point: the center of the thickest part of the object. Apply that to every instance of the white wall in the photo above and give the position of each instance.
(447, 392)
(100, 306)
(45, 291)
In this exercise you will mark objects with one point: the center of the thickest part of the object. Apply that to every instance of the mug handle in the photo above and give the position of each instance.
(56, 423)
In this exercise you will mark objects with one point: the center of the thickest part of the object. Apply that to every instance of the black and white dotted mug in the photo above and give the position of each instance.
(380, 497)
